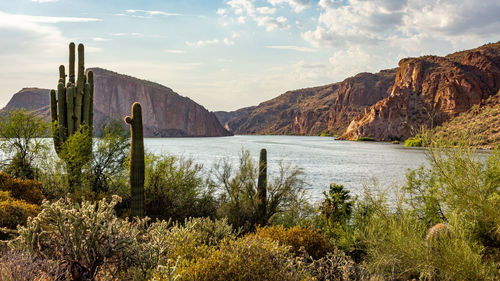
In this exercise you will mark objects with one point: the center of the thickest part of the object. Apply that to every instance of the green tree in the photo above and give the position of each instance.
(21, 135)
(336, 209)
(237, 189)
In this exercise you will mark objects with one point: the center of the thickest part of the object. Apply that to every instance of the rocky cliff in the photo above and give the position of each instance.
(165, 113)
(430, 90)
(312, 111)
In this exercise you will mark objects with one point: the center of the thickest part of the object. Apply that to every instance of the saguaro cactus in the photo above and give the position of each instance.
(261, 205)
(73, 105)
(136, 160)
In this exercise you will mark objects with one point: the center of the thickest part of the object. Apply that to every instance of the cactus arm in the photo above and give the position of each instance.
(86, 105)
(262, 189)
(62, 75)
(71, 62)
(90, 80)
(62, 123)
(70, 93)
(137, 165)
(53, 105)
(80, 87)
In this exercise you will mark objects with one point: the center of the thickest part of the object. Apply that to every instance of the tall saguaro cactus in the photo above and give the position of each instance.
(73, 105)
(71, 108)
(262, 189)
(136, 160)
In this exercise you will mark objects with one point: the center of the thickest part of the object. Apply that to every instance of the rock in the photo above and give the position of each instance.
(429, 91)
(165, 113)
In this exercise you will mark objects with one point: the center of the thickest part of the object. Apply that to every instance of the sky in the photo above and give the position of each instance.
(228, 54)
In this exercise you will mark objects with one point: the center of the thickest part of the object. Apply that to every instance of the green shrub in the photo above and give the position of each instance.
(414, 142)
(15, 212)
(298, 238)
(249, 258)
(336, 210)
(27, 190)
(175, 189)
(365, 139)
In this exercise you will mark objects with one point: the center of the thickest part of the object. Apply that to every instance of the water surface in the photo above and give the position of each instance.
(323, 159)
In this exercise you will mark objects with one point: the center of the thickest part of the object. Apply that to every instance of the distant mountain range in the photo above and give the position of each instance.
(393, 104)
(165, 113)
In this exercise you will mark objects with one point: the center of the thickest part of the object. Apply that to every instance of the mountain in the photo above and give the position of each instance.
(312, 111)
(165, 113)
(393, 104)
(430, 90)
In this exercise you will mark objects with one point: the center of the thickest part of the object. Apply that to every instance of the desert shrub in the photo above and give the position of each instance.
(337, 266)
(14, 212)
(248, 258)
(414, 142)
(17, 266)
(20, 134)
(298, 238)
(365, 139)
(237, 188)
(336, 210)
(91, 234)
(175, 189)
(27, 190)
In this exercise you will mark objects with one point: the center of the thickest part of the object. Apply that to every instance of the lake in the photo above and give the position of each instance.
(323, 159)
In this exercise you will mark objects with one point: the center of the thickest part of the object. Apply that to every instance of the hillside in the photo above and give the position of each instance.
(165, 113)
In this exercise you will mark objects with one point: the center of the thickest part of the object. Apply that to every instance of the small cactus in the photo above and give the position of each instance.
(136, 161)
(261, 206)
(436, 235)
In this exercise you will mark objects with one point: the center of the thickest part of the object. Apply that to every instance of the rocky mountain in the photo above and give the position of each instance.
(390, 105)
(430, 90)
(165, 113)
(312, 111)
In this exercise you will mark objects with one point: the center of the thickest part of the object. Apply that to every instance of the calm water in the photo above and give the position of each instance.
(323, 159)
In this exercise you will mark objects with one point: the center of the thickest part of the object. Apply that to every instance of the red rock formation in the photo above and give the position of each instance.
(165, 113)
(429, 91)
(313, 110)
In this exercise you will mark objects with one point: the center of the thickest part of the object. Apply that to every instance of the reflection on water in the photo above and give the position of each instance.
(323, 159)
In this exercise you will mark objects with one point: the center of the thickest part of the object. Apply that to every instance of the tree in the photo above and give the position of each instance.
(21, 135)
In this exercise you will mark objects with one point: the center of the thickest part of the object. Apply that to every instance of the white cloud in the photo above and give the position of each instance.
(17, 18)
(124, 34)
(297, 5)
(175, 51)
(44, 1)
(244, 9)
(228, 42)
(100, 39)
(293, 48)
(146, 13)
(203, 43)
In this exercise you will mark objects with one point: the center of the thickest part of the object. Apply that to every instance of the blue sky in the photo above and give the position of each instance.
(228, 54)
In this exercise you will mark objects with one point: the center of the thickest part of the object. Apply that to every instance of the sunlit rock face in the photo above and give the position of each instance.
(165, 113)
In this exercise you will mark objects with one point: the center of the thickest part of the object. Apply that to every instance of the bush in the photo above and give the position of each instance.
(93, 236)
(299, 239)
(16, 266)
(336, 210)
(414, 142)
(175, 189)
(365, 139)
(15, 212)
(249, 258)
(27, 190)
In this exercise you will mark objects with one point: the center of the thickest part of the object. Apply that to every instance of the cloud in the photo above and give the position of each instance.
(203, 43)
(44, 1)
(240, 10)
(146, 13)
(124, 34)
(99, 39)
(18, 18)
(297, 5)
(293, 48)
(175, 51)
(228, 42)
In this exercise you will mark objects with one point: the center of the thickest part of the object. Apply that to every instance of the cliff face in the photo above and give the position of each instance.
(429, 91)
(313, 110)
(165, 113)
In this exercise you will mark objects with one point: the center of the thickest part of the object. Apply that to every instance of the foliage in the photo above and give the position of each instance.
(20, 134)
(175, 189)
(27, 190)
(248, 258)
(17, 266)
(298, 238)
(414, 142)
(109, 156)
(93, 236)
(238, 190)
(76, 152)
(14, 212)
(336, 210)
(365, 139)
